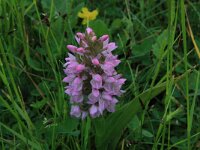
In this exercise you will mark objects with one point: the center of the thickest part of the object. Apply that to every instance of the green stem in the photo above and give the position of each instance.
(185, 63)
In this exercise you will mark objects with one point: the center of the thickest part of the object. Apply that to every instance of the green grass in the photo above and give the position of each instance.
(158, 45)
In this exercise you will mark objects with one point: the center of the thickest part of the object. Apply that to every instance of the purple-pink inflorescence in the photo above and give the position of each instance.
(92, 81)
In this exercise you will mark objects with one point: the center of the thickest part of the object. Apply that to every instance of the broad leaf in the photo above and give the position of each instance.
(161, 43)
(109, 130)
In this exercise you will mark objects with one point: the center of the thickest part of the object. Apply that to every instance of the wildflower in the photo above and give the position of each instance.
(86, 15)
(92, 81)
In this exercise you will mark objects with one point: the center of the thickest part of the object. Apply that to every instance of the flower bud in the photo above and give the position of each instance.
(80, 50)
(95, 61)
(89, 31)
(104, 38)
(80, 35)
(94, 38)
(75, 111)
(72, 48)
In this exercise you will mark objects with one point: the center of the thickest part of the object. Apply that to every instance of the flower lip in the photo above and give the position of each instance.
(110, 79)
(121, 81)
(94, 111)
(76, 98)
(69, 78)
(97, 77)
(110, 47)
(84, 115)
(95, 92)
(80, 67)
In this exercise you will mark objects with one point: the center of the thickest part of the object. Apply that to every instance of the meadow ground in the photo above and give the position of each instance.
(159, 48)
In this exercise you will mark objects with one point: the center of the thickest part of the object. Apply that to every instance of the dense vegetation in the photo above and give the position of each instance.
(159, 48)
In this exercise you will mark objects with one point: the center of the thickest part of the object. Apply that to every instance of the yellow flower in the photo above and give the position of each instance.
(86, 15)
